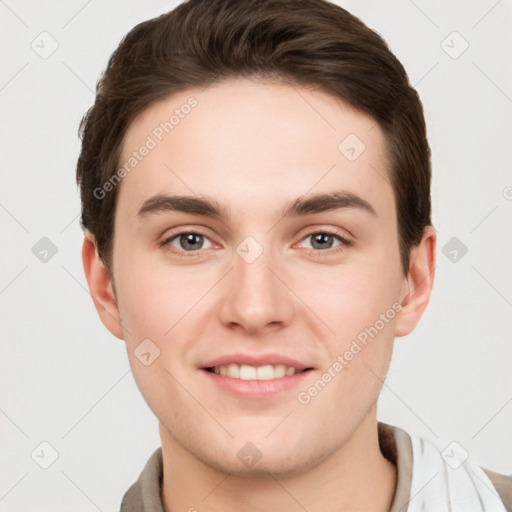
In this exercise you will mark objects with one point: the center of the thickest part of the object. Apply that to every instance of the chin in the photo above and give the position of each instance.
(263, 459)
(280, 466)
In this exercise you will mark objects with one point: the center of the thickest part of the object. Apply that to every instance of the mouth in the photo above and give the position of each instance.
(255, 377)
(260, 373)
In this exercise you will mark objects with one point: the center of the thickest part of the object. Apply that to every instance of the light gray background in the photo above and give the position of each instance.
(65, 380)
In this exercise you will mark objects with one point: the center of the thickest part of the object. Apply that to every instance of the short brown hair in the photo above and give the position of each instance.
(306, 42)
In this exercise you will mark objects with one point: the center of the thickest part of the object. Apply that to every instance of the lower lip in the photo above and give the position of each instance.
(257, 389)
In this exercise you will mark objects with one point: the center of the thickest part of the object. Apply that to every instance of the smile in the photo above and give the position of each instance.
(255, 376)
(246, 372)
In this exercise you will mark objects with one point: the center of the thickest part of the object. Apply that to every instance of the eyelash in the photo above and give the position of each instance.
(192, 254)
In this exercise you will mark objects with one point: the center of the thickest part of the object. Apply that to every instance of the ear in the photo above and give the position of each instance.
(100, 286)
(417, 285)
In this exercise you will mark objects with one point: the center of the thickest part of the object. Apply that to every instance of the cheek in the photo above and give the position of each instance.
(348, 299)
(154, 298)
(156, 304)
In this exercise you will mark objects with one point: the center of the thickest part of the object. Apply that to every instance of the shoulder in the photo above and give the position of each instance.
(503, 484)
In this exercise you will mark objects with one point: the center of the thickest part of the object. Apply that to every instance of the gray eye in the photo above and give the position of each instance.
(189, 241)
(321, 240)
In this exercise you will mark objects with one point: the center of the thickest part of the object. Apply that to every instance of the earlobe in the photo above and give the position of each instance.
(100, 286)
(417, 285)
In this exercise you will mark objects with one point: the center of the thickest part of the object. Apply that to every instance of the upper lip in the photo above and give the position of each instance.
(256, 360)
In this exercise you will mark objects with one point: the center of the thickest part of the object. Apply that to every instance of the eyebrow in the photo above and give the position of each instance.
(305, 205)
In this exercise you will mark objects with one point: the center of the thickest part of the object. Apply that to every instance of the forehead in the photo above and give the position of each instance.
(258, 144)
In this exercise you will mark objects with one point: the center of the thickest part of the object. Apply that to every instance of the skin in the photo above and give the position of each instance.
(254, 147)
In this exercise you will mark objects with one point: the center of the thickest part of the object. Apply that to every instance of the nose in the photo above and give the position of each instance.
(255, 296)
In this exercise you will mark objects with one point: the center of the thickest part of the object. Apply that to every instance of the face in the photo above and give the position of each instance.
(285, 256)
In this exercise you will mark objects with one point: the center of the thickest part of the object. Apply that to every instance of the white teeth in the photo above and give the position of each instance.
(246, 372)
(265, 372)
(289, 371)
(279, 371)
(233, 371)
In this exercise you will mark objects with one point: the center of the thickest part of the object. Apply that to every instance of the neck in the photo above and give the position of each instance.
(355, 477)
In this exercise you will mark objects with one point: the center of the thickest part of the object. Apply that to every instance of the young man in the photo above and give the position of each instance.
(255, 181)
